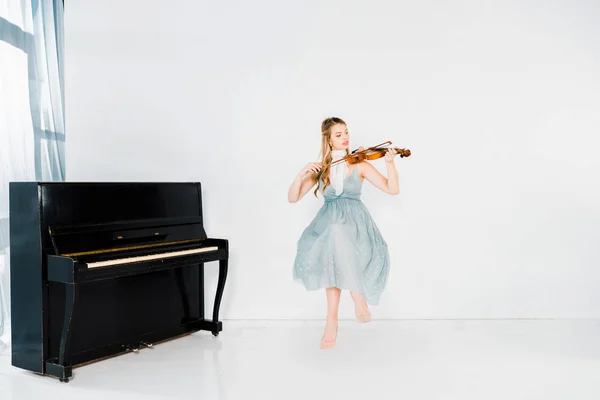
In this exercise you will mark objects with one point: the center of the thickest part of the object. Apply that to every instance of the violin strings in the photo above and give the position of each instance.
(381, 146)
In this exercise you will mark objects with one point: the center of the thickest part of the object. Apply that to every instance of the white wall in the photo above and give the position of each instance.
(499, 209)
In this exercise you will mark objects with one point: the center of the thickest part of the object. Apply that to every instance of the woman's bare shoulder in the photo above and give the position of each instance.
(364, 167)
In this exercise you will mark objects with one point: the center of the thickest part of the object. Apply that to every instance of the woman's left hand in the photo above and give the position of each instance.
(389, 156)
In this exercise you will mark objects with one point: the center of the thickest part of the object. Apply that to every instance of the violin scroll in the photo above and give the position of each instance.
(403, 152)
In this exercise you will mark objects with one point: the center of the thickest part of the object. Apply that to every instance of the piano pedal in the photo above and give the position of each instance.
(146, 344)
(134, 349)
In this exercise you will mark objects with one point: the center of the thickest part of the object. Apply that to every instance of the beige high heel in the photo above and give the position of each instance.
(363, 318)
(360, 303)
(328, 344)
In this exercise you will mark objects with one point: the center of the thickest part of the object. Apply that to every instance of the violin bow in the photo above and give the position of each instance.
(355, 152)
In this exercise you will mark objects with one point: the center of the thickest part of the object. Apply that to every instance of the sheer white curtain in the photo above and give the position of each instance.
(32, 135)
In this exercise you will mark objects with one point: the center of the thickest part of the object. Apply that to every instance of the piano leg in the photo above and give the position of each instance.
(219, 295)
(62, 368)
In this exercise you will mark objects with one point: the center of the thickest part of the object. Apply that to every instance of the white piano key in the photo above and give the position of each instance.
(157, 256)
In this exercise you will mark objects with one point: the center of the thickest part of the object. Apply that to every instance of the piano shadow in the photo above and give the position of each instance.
(184, 367)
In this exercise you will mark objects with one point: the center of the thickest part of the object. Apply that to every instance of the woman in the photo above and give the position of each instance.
(342, 248)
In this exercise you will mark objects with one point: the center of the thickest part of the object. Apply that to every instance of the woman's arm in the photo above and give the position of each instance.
(390, 184)
(304, 181)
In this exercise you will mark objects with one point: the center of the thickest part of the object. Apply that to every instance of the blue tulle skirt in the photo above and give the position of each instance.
(342, 247)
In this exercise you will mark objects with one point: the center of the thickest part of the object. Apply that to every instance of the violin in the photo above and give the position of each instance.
(372, 153)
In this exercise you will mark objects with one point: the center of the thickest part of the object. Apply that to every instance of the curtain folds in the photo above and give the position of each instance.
(32, 118)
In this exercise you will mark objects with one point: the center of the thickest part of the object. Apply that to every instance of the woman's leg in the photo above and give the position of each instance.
(333, 302)
(361, 308)
(331, 325)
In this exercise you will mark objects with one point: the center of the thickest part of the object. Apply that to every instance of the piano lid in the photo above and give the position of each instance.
(77, 241)
(95, 217)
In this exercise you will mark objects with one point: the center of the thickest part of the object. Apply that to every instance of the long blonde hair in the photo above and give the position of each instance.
(326, 159)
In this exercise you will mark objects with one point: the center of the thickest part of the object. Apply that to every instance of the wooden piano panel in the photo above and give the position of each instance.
(125, 309)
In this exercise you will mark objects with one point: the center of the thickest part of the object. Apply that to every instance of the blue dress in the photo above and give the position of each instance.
(342, 246)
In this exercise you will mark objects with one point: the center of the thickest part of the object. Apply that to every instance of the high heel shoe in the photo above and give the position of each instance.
(363, 318)
(328, 344)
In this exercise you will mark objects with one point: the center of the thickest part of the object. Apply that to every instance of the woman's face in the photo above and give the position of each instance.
(339, 137)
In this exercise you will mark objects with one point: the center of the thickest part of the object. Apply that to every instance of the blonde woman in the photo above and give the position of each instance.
(342, 248)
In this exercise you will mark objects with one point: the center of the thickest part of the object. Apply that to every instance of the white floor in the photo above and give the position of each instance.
(408, 360)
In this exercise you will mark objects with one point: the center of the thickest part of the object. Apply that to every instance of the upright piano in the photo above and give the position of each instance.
(99, 269)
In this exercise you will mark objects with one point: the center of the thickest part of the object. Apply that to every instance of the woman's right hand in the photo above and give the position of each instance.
(301, 186)
(310, 167)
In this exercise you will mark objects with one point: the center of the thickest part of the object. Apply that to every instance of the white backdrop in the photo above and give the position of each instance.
(499, 208)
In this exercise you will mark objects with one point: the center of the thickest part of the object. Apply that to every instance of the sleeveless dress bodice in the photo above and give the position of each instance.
(352, 188)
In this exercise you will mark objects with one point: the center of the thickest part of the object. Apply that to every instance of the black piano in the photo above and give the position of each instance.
(99, 269)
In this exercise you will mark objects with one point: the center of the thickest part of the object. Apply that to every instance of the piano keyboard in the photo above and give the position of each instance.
(157, 256)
